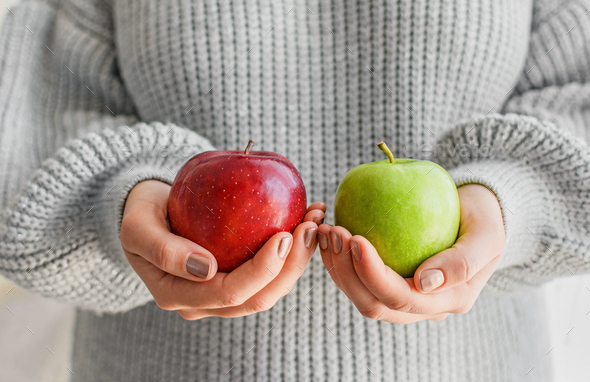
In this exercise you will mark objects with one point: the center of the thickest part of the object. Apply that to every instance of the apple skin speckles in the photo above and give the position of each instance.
(271, 183)
(422, 222)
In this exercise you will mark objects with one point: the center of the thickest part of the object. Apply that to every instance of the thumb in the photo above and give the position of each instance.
(481, 240)
(476, 248)
(179, 256)
(448, 268)
(146, 234)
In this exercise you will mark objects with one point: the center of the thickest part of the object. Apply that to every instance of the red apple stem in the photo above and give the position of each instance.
(249, 147)
(386, 150)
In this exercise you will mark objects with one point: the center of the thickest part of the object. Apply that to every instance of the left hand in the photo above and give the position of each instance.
(461, 271)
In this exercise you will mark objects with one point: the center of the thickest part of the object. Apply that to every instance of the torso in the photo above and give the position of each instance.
(321, 82)
(300, 86)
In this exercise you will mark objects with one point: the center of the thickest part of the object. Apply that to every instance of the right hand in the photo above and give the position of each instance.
(159, 257)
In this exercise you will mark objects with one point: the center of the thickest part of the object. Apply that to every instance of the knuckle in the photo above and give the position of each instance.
(463, 308)
(230, 299)
(469, 267)
(400, 305)
(439, 317)
(260, 305)
(162, 253)
(373, 312)
(165, 304)
(189, 316)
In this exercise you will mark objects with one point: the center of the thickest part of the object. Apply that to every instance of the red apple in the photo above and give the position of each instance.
(232, 202)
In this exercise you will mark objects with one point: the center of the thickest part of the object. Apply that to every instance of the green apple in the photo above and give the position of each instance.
(408, 209)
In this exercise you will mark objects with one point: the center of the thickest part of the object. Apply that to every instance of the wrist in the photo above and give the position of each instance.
(485, 195)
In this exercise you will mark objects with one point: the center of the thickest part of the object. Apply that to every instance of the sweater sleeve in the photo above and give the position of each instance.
(70, 151)
(534, 156)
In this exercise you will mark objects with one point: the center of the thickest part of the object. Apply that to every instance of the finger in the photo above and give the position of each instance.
(295, 265)
(481, 240)
(381, 314)
(324, 244)
(482, 277)
(323, 241)
(349, 282)
(454, 266)
(226, 289)
(255, 274)
(316, 216)
(476, 284)
(469, 291)
(366, 303)
(390, 288)
(158, 282)
(192, 314)
(317, 206)
(438, 317)
(147, 235)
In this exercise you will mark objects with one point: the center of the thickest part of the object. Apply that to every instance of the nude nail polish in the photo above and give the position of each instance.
(323, 240)
(337, 242)
(284, 247)
(309, 236)
(356, 250)
(431, 279)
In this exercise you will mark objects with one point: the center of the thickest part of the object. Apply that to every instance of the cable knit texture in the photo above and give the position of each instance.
(98, 95)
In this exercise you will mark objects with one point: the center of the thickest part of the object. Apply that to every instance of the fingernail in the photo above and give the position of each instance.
(309, 235)
(198, 265)
(284, 246)
(318, 221)
(323, 239)
(337, 242)
(431, 279)
(356, 250)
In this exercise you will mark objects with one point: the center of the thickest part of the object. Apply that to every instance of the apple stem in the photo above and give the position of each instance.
(250, 144)
(386, 150)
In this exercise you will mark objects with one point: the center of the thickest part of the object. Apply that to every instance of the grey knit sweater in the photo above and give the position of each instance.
(97, 95)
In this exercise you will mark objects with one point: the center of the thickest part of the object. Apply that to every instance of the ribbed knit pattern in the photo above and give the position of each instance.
(96, 96)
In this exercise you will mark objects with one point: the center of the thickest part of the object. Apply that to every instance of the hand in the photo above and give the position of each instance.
(457, 275)
(160, 257)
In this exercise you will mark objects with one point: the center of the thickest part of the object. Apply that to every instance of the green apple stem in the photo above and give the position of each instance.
(386, 150)
(250, 144)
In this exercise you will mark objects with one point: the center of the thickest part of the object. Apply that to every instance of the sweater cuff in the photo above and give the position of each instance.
(518, 190)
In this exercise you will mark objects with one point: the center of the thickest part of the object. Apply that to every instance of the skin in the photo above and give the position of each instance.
(380, 293)
(158, 256)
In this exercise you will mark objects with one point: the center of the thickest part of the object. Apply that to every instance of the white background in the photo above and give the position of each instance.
(45, 355)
